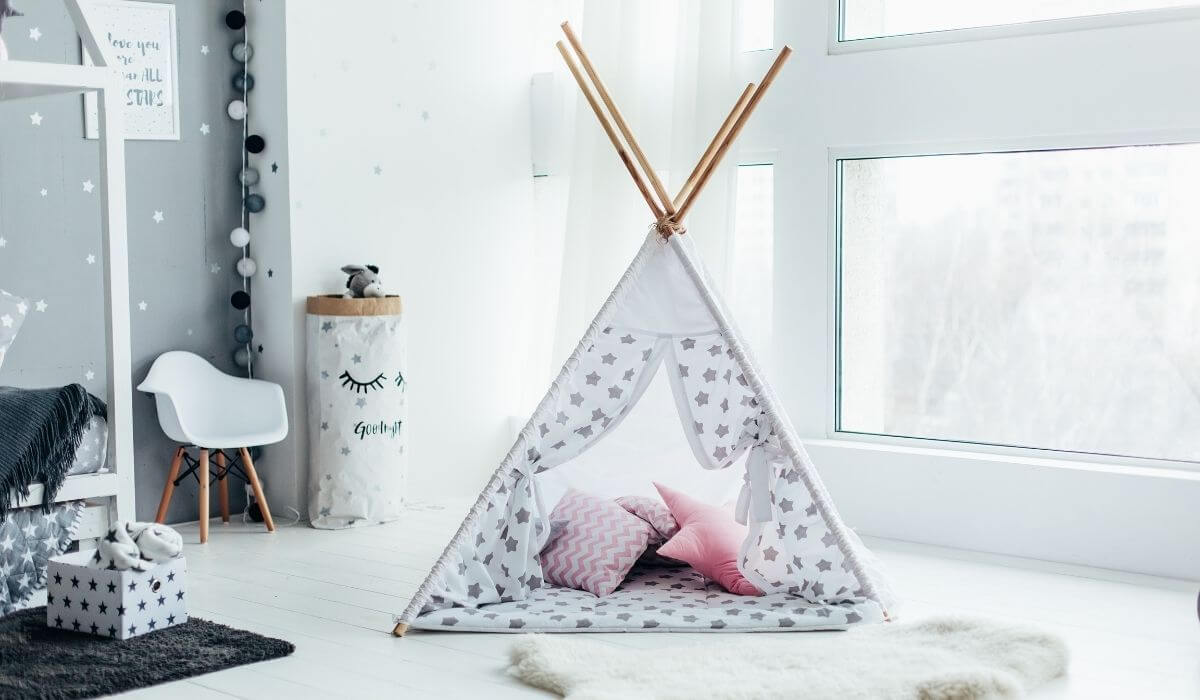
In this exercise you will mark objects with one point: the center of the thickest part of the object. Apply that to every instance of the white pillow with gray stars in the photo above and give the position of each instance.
(357, 392)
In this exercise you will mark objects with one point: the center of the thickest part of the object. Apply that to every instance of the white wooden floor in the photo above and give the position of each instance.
(332, 594)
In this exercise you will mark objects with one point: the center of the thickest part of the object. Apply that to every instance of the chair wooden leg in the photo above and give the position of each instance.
(169, 487)
(259, 496)
(222, 485)
(203, 474)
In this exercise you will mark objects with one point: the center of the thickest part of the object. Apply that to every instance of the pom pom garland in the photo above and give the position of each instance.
(239, 237)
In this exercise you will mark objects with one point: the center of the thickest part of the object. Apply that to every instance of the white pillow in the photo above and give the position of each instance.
(12, 315)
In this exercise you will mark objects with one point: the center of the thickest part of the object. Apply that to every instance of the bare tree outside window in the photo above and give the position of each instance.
(1045, 299)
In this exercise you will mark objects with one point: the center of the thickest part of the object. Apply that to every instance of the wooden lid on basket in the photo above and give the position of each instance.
(338, 305)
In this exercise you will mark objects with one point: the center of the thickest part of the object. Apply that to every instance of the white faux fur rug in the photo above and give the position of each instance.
(935, 659)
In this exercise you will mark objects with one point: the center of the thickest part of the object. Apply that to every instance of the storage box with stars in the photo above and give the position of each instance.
(117, 604)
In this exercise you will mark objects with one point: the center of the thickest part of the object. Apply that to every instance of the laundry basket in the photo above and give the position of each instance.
(356, 411)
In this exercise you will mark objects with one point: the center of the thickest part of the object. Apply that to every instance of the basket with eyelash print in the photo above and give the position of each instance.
(357, 391)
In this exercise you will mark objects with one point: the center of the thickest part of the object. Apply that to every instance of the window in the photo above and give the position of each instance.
(757, 25)
(865, 19)
(1043, 299)
(754, 254)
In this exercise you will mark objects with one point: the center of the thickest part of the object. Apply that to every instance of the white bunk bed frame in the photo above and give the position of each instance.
(109, 495)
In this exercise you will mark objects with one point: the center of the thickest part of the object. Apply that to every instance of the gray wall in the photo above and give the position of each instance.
(192, 181)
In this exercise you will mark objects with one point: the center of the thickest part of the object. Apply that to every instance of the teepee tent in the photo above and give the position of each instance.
(663, 345)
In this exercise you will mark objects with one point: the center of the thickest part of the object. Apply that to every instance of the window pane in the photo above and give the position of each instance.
(753, 256)
(758, 25)
(1043, 299)
(864, 19)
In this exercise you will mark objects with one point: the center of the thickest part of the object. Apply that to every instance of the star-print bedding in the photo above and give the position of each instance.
(28, 539)
(662, 317)
(652, 599)
(92, 453)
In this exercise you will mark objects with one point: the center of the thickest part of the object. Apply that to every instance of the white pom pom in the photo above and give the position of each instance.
(246, 267)
(239, 237)
(237, 110)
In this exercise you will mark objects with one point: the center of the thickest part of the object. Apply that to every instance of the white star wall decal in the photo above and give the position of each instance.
(204, 49)
(36, 118)
(205, 129)
(6, 321)
(22, 307)
(215, 268)
(35, 34)
(142, 305)
(88, 186)
(40, 305)
(44, 192)
(158, 217)
(90, 375)
(91, 259)
(3, 241)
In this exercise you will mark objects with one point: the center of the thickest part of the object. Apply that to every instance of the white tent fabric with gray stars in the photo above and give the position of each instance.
(662, 344)
(662, 321)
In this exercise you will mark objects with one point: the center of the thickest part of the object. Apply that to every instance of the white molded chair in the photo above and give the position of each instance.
(201, 406)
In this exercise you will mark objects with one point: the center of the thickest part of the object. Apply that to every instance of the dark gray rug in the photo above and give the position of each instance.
(39, 662)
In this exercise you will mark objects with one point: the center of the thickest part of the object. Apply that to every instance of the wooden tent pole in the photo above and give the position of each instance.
(769, 78)
(712, 146)
(612, 135)
(619, 119)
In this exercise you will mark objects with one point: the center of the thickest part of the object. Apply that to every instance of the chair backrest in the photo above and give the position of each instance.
(178, 371)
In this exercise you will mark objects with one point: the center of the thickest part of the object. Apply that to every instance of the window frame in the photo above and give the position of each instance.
(838, 45)
(960, 448)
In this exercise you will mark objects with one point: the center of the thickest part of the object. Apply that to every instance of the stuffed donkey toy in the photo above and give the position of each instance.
(363, 282)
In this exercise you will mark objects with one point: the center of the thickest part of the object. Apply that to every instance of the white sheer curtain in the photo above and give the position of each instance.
(670, 68)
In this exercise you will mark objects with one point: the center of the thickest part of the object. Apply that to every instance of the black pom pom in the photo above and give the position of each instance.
(235, 20)
(255, 143)
(240, 300)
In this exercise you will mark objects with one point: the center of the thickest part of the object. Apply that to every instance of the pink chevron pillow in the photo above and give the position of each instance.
(599, 544)
(709, 539)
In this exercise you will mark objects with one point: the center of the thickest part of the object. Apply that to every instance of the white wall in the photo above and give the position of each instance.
(436, 95)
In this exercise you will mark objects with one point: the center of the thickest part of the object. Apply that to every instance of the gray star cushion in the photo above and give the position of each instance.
(28, 539)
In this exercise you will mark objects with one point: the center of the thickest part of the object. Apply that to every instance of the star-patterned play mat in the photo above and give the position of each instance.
(652, 599)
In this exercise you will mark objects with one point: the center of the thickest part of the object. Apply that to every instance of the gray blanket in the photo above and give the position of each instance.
(40, 430)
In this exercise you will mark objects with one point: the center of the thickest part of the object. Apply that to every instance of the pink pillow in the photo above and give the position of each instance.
(600, 542)
(709, 539)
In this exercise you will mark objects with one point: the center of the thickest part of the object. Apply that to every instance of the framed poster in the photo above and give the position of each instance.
(139, 40)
